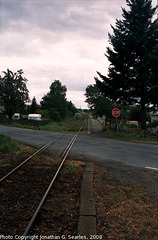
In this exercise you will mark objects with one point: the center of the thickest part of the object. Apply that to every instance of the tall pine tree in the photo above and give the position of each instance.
(33, 106)
(133, 72)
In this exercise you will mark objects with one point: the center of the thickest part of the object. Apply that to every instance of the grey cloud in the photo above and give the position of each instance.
(57, 39)
(27, 24)
(70, 16)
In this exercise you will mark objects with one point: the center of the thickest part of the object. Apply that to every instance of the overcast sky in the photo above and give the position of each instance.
(57, 40)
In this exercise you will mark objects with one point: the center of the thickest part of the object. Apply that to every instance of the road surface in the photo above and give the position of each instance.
(91, 147)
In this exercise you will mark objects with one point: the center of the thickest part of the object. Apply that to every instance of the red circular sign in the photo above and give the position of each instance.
(116, 112)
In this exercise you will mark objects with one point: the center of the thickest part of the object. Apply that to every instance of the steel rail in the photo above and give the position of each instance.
(26, 160)
(34, 154)
(64, 156)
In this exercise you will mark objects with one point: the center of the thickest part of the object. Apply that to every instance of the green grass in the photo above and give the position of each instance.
(8, 146)
(127, 191)
(58, 126)
(64, 126)
(72, 169)
(18, 125)
(53, 126)
(128, 137)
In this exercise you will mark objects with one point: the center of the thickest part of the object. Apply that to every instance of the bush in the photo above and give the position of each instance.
(55, 115)
(153, 124)
(8, 146)
(135, 114)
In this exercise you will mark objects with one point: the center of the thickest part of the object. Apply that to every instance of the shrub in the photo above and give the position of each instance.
(7, 145)
(153, 124)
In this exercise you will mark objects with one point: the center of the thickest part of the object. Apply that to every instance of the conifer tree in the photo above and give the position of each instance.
(133, 55)
(33, 106)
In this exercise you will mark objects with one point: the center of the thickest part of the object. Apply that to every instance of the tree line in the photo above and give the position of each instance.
(132, 77)
(14, 97)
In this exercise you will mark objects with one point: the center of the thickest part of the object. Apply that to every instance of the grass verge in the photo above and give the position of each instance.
(8, 146)
(124, 210)
(64, 126)
(58, 126)
(129, 137)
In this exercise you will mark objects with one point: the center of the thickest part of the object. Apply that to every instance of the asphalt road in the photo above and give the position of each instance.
(90, 147)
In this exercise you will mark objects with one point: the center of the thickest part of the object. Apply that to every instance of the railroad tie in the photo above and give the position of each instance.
(87, 218)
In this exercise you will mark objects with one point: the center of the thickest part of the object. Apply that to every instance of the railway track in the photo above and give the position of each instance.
(26, 178)
(40, 150)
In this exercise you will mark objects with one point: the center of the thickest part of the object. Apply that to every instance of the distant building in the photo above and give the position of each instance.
(36, 117)
(24, 116)
(16, 116)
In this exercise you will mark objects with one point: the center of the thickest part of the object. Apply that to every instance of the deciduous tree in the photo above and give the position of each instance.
(13, 92)
(97, 102)
(55, 101)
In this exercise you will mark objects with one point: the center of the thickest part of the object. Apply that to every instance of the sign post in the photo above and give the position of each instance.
(116, 113)
(104, 118)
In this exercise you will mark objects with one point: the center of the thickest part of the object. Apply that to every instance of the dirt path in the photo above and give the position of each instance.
(96, 128)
